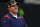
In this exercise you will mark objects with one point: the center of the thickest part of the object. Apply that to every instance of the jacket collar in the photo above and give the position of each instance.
(18, 15)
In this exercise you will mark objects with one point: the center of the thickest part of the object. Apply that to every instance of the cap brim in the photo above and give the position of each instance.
(16, 3)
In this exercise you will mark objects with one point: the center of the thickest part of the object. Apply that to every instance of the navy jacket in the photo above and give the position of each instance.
(10, 21)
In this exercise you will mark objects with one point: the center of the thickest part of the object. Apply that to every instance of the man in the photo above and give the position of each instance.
(13, 19)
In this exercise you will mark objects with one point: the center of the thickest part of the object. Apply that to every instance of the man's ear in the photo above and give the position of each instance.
(9, 8)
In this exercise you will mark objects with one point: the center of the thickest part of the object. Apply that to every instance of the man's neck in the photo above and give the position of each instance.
(13, 13)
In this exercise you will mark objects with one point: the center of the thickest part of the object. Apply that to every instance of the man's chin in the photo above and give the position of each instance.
(15, 12)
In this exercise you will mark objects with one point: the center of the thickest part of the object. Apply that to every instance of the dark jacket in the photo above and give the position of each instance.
(10, 21)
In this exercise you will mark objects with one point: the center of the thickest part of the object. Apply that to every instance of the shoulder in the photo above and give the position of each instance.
(22, 17)
(6, 17)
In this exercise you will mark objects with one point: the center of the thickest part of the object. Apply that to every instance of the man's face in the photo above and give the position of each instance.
(14, 9)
